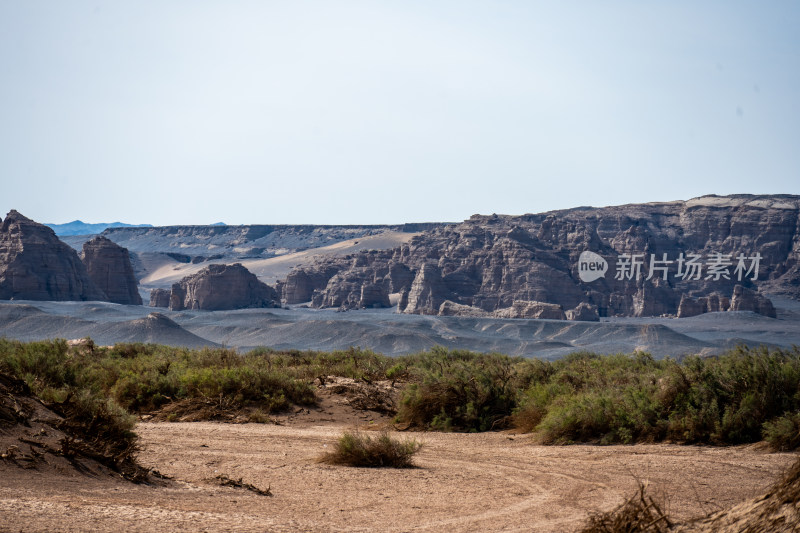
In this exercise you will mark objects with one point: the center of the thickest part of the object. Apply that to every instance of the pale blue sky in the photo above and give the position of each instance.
(192, 112)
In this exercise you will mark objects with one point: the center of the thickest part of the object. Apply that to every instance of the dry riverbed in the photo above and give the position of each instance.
(464, 482)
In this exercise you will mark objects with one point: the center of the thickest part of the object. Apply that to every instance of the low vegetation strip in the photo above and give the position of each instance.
(745, 395)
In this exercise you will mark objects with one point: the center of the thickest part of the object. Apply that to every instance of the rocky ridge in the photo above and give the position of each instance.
(657, 254)
(204, 243)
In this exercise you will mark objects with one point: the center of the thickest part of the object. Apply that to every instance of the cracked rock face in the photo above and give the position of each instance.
(36, 265)
(219, 287)
(490, 262)
(109, 267)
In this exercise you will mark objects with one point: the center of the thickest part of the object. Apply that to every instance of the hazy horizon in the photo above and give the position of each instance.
(146, 223)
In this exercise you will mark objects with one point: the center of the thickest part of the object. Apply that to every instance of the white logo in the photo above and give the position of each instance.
(591, 266)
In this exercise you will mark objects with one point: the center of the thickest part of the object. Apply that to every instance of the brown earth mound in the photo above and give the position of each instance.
(777, 511)
(59, 437)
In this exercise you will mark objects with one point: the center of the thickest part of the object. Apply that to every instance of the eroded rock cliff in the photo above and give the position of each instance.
(36, 265)
(654, 257)
(109, 267)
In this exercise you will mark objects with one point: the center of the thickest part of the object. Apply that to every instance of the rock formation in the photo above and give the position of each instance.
(428, 291)
(365, 281)
(373, 295)
(744, 299)
(231, 243)
(689, 306)
(661, 259)
(36, 265)
(109, 267)
(218, 287)
(301, 283)
(159, 298)
(526, 309)
(583, 312)
(449, 308)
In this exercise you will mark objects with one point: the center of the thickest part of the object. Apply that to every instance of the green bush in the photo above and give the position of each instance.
(783, 433)
(460, 390)
(634, 398)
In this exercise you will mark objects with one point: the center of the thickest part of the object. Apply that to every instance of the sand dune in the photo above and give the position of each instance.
(161, 271)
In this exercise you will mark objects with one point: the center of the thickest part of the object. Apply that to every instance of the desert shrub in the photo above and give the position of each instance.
(103, 429)
(132, 349)
(774, 510)
(358, 449)
(534, 403)
(140, 392)
(152, 380)
(144, 377)
(592, 398)
(258, 416)
(240, 380)
(783, 433)
(741, 396)
(606, 417)
(730, 397)
(641, 513)
(355, 363)
(43, 362)
(249, 385)
(460, 390)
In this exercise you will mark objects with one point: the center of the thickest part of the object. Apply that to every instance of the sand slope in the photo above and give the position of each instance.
(157, 270)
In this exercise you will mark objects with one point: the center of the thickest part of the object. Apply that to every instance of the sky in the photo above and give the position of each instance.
(316, 112)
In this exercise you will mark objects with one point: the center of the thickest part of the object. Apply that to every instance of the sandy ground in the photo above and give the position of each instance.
(463, 482)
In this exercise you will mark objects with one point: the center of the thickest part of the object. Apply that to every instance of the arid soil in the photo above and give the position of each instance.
(463, 482)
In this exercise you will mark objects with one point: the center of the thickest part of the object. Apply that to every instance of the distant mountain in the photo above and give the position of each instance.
(77, 227)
